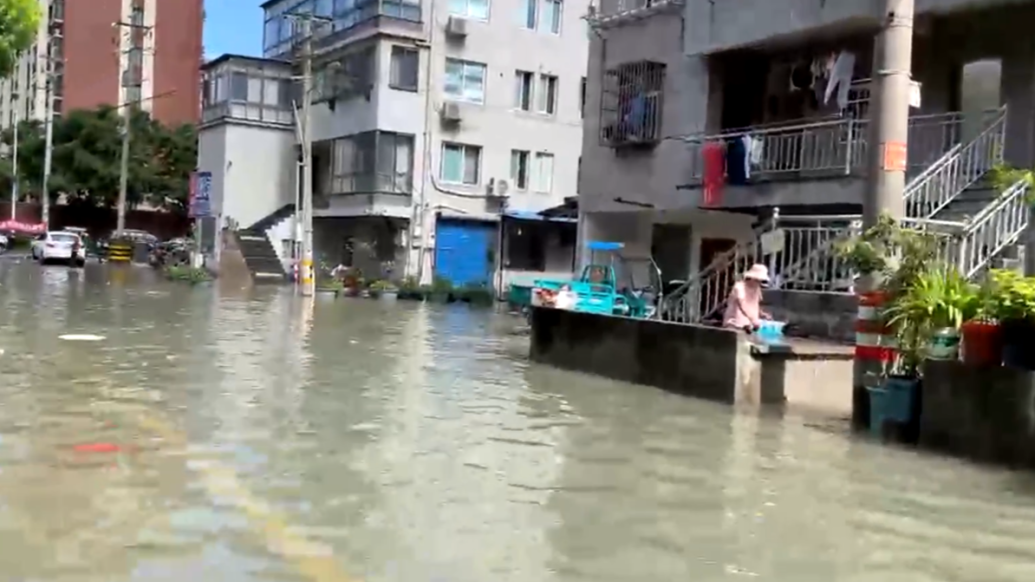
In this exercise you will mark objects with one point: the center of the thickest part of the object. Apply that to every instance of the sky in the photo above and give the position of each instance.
(233, 26)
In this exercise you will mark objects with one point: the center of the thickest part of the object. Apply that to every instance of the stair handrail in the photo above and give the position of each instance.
(959, 168)
(722, 260)
(1013, 200)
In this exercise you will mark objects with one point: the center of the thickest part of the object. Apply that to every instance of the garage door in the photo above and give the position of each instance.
(462, 251)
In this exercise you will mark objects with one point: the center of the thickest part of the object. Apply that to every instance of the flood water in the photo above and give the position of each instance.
(257, 436)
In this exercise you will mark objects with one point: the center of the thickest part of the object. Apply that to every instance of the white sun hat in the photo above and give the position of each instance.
(758, 272)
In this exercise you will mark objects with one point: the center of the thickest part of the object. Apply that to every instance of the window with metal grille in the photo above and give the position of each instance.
(631, 104)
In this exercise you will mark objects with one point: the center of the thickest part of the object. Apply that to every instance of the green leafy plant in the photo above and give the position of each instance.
(895, 254)
(188, 274)
(332, 285)
(935, 299)
(1003, 177)
(1012, 296)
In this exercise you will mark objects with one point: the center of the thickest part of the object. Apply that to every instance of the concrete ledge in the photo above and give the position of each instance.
(688, 359)
(704, 362)
(983, 414)
(827, 316)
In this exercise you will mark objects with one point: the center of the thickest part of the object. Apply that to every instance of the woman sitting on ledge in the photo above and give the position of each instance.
(744, 304)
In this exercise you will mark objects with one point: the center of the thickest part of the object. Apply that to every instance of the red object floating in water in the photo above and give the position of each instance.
(97, 448)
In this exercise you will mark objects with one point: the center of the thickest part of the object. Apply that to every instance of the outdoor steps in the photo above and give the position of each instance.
(261, 258)
(969, 203)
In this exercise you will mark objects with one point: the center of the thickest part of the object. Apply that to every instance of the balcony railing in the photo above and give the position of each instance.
(611, 12)
(829, 147)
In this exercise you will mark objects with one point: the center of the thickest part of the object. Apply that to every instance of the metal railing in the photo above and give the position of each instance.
(953, 173)
(610, 12)
(828, 147)
(993, 229)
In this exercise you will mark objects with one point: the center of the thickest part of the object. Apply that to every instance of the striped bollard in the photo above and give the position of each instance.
(874, 350)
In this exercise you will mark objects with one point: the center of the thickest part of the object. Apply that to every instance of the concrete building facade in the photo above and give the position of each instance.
(676, 86)
(97, 62)
(431, 120)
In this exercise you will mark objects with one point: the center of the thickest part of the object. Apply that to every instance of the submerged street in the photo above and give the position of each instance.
(253, 435)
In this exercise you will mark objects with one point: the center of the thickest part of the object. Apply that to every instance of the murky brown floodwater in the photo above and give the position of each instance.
(357, 441)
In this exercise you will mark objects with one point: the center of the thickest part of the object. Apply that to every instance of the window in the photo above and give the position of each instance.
(477, 9)
(461, 164)
(547, 94)
(524, 85)
(372, 162)
(405, 68)
(238, 87)
(582, 98)
(351, 77)
(550, 18)
(519, 169)
(542, 173)
(631, 104)
(529, 12)
(465, 81)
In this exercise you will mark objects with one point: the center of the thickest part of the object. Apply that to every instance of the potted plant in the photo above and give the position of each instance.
(982, 338)
(477, 294)
(442, 291)
(410, 289)
(898, 258)
(330, 287)
(1014, 297)
(352, 282)
(382, 289)
(928, 314)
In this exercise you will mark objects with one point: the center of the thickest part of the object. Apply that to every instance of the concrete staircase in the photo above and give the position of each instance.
(260, 256)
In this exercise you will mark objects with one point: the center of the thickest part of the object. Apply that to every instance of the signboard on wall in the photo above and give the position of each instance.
(201, 194)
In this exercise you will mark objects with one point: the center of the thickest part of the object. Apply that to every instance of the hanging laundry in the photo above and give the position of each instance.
(756, 151)
(713, 155)
(841, 79)
(737, 161)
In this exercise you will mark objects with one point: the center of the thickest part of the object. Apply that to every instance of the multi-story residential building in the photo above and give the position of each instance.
(111, 52)
(708, 120)
(431, 120)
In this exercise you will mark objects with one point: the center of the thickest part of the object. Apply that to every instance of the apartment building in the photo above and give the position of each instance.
(725, 133)
(111, 52)
(431, 121)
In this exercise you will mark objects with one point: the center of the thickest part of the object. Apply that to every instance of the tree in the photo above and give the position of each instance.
(87, 159)
(19, 21)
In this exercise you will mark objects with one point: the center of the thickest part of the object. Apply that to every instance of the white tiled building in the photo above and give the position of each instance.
(431, 120)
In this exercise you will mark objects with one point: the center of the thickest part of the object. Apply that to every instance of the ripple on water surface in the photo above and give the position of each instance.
(414, 442)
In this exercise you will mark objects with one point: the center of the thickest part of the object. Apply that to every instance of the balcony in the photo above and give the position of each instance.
(333, 23)
(247, 89)
(373, 162)
(617, 12)
(828, 148)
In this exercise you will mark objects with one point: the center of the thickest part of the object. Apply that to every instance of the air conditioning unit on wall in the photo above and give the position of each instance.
(450, 112)
(456, 27)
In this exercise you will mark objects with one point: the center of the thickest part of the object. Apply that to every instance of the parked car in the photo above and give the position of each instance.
(4, 242)
(59, 246)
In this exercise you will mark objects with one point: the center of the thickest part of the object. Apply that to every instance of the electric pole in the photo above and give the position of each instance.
(132, 78)
(48, 150)
(14, 167)
(890, 113)
(888, 157)
(305, 273)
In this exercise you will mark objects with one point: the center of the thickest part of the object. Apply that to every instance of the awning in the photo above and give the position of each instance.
(569, 209)
(533, 215)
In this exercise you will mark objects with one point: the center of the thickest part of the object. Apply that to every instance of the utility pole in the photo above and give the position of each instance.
(306, 276)
(888, 156)
(890, 118)
(131, 79)
(48, 151)
(14, 166)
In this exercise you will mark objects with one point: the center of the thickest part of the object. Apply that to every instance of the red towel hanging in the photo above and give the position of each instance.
(714, 157)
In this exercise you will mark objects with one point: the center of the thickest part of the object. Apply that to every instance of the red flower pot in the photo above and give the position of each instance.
(982, 343)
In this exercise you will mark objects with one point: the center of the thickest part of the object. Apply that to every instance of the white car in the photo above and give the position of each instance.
(57, 246)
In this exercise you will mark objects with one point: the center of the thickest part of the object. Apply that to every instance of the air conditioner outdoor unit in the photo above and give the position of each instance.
(456, 27)
(498, 188)
(450, 112)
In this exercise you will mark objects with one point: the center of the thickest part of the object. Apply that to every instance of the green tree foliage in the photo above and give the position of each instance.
(87, 154)
(19, 21)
